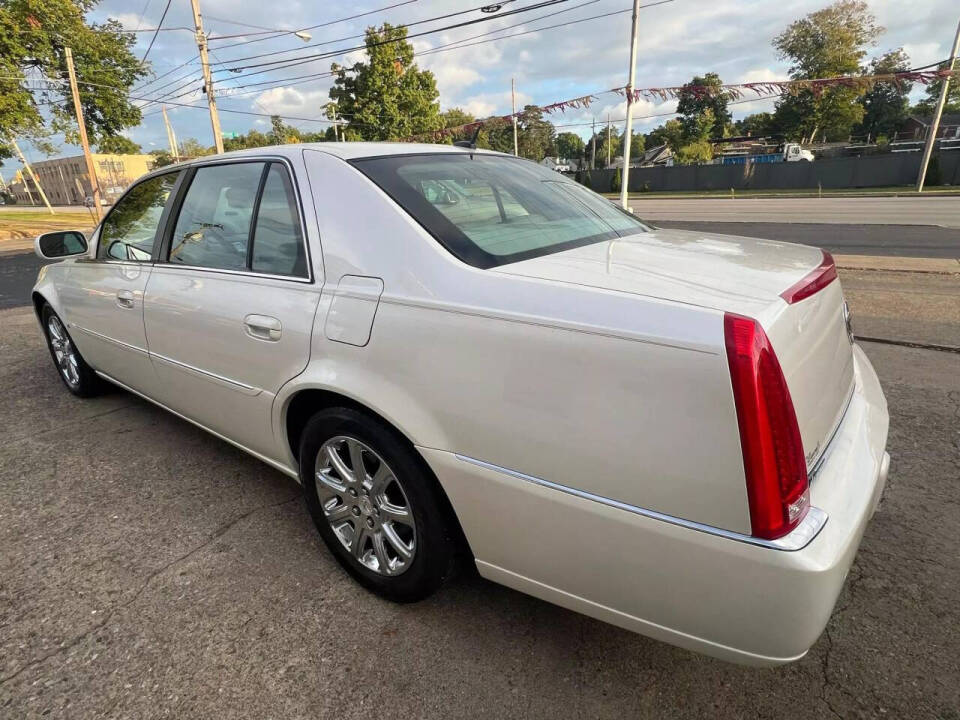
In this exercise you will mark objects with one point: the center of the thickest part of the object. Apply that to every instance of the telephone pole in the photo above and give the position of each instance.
(513, 104)
(171, 135)
(935, 123)
(608, 139)
(593, 145)
(628, 128)
(91, 172)
(30, 172)
(207, 77)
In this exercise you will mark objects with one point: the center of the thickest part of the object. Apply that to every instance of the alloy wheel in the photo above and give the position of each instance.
(63, 352)
(366, 505)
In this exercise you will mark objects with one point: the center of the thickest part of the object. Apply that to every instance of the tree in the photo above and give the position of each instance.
(388, 97)
(669, 134)
(638, 144)
(569, 145)
(119, 145)
(33, 36)
(535, 136)
(932, 95)
(161, 158)
(695, 145)
(756, 125)
(454, 117)
(885, 104)
(191, 148)
(826, 43)
(702, 94)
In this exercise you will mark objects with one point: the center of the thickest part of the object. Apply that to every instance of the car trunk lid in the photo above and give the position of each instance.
(746, 276)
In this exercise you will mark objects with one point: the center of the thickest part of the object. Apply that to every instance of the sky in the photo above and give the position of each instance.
(676, 41)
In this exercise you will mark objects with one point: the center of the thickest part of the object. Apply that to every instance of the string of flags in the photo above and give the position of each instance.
(733, 91)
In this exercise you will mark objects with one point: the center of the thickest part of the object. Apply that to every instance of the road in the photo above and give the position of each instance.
(942, 211)
(151, 570)
(891, 240)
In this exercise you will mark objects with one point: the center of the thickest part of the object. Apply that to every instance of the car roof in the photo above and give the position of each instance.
(345, 150)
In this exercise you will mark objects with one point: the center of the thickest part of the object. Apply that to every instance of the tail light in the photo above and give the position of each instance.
(773, 459)
(817, 279)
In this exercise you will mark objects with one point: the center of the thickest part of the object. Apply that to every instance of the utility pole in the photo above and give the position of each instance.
(94, 185)
(593, 145)
(608, 139)
(935, 123)
(513, 104)
(171, 135)
(628, 129)
(207, 77)
(35, 181)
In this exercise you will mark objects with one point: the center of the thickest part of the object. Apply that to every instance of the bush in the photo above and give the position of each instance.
(933, 171)
(617, 183)
(586, 180)
(645, 187)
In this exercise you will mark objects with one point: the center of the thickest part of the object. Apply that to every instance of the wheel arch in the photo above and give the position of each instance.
(306, 402)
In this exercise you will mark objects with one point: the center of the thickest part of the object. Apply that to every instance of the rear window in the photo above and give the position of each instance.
(491, 210)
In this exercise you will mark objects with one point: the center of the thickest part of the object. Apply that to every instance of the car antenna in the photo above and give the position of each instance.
(470, 144)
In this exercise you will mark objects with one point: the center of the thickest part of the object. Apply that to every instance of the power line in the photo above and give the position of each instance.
(157, 32)
(290, 62)
(309, 27)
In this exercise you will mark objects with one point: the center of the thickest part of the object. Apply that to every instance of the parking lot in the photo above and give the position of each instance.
(151, 570)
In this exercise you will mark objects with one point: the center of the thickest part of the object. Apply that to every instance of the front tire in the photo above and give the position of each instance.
(376, 505)
(73, 370)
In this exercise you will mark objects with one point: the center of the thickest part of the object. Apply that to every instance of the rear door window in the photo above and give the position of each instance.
(213, 227)
(278, 237)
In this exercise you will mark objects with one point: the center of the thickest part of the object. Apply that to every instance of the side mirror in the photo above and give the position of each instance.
(63, 243)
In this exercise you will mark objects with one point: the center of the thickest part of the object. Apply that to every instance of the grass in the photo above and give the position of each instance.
(28, 223)
(905, 190)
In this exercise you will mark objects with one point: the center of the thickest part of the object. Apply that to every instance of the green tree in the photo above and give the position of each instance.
(695, 145)
(388, 97)
(119, 145)
(638, 144)
(885, 105)
(695, 100)
(33, 35)
(669, 134)
(569, 145)
(616, 183)
(536, 137)
(454, 117)
(192, 148)
(756, 125)
(826, 43)
(932, 95)
(161, 158)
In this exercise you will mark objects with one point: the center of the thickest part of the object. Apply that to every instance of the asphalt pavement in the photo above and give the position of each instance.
(150, 570)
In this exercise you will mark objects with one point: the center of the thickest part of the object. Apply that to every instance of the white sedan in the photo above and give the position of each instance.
(460, 354)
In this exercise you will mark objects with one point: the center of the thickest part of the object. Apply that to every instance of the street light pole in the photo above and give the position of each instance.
(36, 182)
(935, 123)
(207, 77)
(628, 128)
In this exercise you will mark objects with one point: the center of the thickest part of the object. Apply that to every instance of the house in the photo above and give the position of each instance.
(917, 127)
(559, 164)
(66, 182)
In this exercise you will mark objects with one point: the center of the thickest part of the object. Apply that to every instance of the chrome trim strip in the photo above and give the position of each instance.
(797, 539)
(263, 458)
(233, 384)
(245, 273)
(814, 467)
(120, 343)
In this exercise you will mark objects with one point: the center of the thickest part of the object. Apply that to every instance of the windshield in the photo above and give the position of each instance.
(491, 210)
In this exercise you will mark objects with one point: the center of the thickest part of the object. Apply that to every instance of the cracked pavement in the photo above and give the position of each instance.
(149, 570)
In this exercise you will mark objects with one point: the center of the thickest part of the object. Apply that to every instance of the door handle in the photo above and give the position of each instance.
(263, 327)
(125, 299)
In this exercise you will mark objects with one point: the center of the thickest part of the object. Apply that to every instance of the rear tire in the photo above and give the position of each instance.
(387, 525)
(73, 370)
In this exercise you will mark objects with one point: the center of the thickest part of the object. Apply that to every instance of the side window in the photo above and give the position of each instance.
(130, 229)
(277, 237)
(213, 227)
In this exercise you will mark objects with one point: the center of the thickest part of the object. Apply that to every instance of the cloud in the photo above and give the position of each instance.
(292, 101)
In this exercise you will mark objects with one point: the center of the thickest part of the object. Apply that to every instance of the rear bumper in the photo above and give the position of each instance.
(688, 587)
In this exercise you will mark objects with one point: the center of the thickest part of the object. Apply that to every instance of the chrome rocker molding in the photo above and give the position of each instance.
(797, 539)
